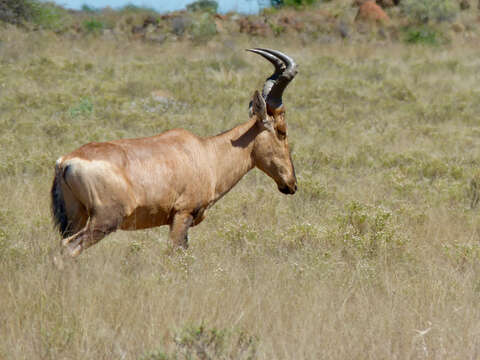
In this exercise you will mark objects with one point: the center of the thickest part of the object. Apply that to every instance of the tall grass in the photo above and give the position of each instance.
(376, 256)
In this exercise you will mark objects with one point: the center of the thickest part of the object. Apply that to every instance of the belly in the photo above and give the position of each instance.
(144, 218)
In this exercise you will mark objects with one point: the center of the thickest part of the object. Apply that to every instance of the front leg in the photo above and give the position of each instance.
(179, 229)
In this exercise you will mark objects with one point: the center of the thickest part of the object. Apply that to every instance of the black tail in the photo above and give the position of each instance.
(59, 212)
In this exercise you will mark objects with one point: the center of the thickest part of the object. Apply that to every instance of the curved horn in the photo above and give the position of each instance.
(279, 68)
(285, 71)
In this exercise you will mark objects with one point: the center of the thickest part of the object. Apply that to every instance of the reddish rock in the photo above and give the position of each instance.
(370, 11)
(219, 26)
(290, 22)
(221, 17)
(253, 26)
(382, 3)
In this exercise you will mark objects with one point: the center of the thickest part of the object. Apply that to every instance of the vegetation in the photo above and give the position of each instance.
(16, 11)
(198, 342)
(422, 34)
(204, 6)
(377, 255)
(423, 11)
(295, 3)
(45, 15)
(93, 26)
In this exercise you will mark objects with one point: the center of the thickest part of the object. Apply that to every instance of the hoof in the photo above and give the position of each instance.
(58, 261)
(74, 251)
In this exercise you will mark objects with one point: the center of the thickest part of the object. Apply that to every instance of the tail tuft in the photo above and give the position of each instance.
(59, 212)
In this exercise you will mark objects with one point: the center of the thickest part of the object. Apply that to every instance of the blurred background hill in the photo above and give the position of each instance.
(413, 21)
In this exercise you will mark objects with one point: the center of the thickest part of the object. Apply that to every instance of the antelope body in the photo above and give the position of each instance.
(171, 178)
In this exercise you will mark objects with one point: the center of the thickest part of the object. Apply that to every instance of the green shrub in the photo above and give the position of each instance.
(16, 11)
(203, 28)
(88, 9)
(46, 15)
(210, 6)
(50, 16)
(93, 26)
(423, 11)
(369, 232)
(135, 8)
(180, 24)
(84, 107)
(194, 343)
(277, 29)
(421, 35)
(294, 3)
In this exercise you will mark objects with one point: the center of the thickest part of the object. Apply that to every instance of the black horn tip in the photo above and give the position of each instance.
(276, 62)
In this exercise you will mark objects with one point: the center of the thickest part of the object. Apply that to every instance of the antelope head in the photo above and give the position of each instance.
(271, 152)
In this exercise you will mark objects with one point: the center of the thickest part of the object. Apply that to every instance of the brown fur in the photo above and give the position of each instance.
(168, 179)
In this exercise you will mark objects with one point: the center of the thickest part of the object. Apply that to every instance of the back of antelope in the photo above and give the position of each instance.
(174, 177)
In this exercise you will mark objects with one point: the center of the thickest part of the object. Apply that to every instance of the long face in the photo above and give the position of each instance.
(271, 152)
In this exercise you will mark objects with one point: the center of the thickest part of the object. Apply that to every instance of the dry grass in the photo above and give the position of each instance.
(376, 256)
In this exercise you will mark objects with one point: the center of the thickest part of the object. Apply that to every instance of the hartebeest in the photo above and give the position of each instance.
(174, 177)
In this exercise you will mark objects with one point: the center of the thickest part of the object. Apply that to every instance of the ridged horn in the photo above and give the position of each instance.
(285, 71)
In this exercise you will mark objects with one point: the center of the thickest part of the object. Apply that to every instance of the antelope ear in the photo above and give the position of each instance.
(259, 107)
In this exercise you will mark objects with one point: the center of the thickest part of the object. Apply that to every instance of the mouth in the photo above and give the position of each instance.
(287, 190)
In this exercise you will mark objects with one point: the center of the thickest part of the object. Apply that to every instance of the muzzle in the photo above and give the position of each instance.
(288, 190)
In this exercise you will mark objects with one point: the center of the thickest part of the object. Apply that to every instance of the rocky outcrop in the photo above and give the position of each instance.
(371, 12)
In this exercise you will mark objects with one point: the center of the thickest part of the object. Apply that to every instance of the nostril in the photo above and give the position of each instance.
(295, 187)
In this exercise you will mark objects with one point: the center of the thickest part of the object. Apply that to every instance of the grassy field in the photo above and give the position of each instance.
(376, 256)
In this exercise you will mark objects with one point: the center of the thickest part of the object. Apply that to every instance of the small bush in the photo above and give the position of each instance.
(423, 11)
(50, 16)
(137, 9)
(421, 35)
(16, 11)
(202, 343)
(294, 3)
(209, 6)
(203, 29)
(93, 26)
(88, 9)
(277, 29)
(46, 15)
(84, 107)
(180, 24)
(369, 232)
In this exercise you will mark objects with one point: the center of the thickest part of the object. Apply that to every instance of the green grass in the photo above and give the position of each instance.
(376, 256)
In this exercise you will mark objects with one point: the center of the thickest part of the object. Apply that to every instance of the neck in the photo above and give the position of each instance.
(232, 155)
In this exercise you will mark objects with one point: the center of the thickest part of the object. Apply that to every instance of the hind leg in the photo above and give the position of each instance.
(71, 247)
(76, 213)
(94, 231)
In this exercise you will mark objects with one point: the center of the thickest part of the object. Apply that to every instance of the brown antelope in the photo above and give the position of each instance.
(174, 177)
